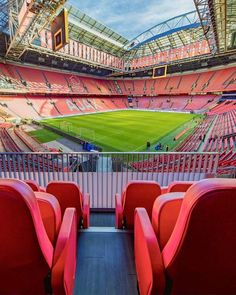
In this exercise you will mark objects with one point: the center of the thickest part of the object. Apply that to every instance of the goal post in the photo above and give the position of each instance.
(79, 132)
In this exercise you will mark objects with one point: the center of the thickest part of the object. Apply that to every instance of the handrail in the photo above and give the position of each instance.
(115, 153)
(102, 174)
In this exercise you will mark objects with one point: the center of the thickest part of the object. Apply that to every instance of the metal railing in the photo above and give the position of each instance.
(104, 174)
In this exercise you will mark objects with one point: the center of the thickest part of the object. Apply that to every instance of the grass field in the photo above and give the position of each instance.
(43, 135)
(124, 130)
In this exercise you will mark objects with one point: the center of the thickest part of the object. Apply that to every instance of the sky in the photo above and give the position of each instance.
(132, 17)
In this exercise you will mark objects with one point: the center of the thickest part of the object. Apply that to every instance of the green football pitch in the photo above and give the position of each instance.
(125, 130)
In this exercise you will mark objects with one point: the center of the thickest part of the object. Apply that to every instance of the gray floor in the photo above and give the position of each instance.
(105, 264)
(102, 219)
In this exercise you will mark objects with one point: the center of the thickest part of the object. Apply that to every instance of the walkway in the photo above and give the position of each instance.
(202, 145)
(105, 259)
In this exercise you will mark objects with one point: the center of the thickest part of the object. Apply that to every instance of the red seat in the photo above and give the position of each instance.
(177, 186)
(164, 216)
(136, 194)
(28, 262)
(35, 186)
(199, 257)
(51, 214)
(69, 195)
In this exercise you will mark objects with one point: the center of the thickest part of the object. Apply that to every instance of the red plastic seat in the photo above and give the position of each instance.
(51, 214)
(136, 194)
(164, 215)
(177, 186)
(35, 186)
(68, 194)
(199, 256)
(28, 262)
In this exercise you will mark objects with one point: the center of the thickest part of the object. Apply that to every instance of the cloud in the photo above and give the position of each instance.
(132, 17)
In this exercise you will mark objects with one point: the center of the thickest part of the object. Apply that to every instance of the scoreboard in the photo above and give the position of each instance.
(159, 72)
(59, 30)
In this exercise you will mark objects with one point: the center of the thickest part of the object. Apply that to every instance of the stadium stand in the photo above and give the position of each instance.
(45, 81)
(31, 143)
(223, 134)
(37, 107)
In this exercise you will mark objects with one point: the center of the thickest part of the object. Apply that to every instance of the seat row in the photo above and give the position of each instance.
(38, 230)
(187, 244)
(184, 235)
(43, 81)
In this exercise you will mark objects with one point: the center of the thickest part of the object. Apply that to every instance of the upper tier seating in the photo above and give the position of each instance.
(69, 195)
(199, 256)
(41, 81)
(29, 262)
(136, 194)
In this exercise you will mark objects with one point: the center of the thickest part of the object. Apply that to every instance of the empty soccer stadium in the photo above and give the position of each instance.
(117, 147)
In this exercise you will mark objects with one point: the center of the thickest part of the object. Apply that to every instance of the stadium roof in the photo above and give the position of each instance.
(213, 21)
(173, 33)
(3, 15)
(223, 13)
(220, 17)
(89, 31)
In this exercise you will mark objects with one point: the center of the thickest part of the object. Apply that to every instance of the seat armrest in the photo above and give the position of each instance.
(86, 210)
(179, 186)
(50, 210)
(64, 260)
(119, 211)
(165, 212)
(148, 258)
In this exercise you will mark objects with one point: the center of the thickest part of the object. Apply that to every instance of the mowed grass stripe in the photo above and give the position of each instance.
(123, 130)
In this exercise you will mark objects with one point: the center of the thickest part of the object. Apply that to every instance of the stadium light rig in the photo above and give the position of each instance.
(27, 20)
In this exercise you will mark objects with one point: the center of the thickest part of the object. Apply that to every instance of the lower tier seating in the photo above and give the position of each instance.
(38, 107)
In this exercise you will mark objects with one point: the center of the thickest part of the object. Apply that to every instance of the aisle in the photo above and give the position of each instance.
(105, 259)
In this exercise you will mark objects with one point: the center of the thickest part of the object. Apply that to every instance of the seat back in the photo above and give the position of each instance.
(51, 214)
(179, 186)
(25, 250)
(33, 184)
(200, 256)
(68, 195)
(138, 194)
(164, 216)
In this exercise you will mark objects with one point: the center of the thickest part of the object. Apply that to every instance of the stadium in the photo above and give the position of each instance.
(117, 147)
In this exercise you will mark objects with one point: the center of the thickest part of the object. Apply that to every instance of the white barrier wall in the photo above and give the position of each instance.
(105, 174)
